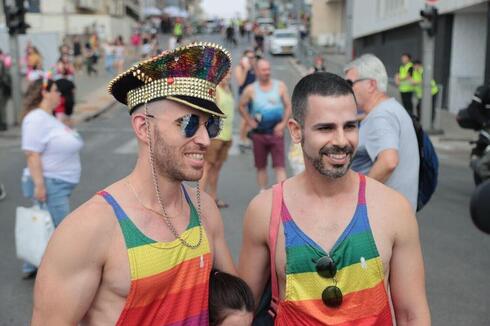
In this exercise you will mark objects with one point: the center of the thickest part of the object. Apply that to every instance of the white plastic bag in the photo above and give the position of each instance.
(33, 228)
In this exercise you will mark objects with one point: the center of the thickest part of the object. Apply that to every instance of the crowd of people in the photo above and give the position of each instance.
(167, 260)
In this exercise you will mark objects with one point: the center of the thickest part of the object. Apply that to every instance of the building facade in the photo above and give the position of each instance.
(389, 28)
(109, 18)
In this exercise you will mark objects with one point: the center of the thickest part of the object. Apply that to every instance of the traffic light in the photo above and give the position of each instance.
(15, 17)
(429, 14)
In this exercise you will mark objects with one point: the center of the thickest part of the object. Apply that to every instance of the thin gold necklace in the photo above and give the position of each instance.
(126, 180)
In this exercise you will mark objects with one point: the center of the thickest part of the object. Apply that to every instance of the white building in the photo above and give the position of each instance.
(109, 18)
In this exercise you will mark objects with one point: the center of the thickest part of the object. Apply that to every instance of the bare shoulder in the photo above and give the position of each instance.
(258, 213)
(94, 216)
(211, 215)
(92, 221)
(283, 86)
(387, 205)
(83, 235)
(248, 91)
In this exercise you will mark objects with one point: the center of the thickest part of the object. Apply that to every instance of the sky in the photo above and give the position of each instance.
(224, 8)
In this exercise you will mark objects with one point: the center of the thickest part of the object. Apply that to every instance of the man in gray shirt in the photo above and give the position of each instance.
(388, 149)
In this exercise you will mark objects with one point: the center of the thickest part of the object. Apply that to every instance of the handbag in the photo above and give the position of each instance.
(33, 228)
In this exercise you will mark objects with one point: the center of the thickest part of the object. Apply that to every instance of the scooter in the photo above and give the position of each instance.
(477, 117)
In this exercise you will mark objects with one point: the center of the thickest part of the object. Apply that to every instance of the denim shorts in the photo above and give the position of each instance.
(57, 194)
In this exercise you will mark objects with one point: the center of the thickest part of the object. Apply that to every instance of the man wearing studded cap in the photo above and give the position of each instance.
(140, 251)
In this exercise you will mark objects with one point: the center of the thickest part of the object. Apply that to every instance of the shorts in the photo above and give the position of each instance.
(263, 144)
(217, 151)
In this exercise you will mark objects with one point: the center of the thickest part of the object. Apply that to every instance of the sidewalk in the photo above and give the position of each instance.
(453, 140)
(92, 99)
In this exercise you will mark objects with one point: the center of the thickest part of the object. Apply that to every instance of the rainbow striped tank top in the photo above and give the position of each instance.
(359, 276)
(169, 282)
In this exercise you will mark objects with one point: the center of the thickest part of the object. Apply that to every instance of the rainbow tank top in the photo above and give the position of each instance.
(169, 282)
(359, 276)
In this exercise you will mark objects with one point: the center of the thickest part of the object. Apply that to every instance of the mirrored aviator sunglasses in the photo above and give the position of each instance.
(331, 295)
(189, 125)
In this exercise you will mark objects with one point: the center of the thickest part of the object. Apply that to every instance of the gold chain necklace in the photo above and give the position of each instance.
(157, 190)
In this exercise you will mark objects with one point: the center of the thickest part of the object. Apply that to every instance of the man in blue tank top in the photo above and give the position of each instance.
(267, 119)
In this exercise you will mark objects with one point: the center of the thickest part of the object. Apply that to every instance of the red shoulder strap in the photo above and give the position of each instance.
(273, 231)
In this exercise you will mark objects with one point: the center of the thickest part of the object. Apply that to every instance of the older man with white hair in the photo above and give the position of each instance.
(388, 149)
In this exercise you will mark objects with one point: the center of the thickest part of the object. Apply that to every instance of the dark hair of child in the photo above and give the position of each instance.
(227, 293)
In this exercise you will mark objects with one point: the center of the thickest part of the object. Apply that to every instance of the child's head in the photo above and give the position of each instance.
(231, 301)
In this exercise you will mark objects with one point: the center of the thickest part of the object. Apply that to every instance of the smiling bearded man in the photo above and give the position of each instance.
(140, 252)
(334, 241)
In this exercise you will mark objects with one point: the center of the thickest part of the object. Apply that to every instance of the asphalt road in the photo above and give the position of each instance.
(455, 253)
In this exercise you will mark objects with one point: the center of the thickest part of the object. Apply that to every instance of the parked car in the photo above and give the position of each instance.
(283, 41)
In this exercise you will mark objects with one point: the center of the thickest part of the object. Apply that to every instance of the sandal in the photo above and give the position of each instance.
(221, 204)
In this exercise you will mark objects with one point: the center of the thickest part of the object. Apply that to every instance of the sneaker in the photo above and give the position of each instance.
(3, 193)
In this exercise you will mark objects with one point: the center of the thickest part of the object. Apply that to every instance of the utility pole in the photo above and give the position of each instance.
(349, 9)
(429, 25)
(15, 21)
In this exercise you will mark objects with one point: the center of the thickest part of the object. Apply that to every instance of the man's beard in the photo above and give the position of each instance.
(167, 162)
(336, 170)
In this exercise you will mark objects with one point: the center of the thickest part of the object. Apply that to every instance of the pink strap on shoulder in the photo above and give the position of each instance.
(273, 231)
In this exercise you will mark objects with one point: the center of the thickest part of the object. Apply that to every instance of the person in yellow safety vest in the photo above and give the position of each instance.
(178, 30)
(403, 80)
(417, 82)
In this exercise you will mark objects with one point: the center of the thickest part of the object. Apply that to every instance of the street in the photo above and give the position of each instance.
(455, 252)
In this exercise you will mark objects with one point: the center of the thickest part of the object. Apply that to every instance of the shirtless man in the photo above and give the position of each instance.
(173, 235)
(339, 248)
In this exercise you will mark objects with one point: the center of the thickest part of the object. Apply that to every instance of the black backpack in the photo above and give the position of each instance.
(429, 166)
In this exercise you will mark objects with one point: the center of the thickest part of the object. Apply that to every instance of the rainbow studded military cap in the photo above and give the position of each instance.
(187, 74)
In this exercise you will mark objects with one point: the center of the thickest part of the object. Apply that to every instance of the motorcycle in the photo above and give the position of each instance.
(477, 117)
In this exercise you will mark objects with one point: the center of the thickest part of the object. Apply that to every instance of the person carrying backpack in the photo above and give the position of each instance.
(388, 148)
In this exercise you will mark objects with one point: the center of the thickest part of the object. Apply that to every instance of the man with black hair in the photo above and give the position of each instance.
(341, 248)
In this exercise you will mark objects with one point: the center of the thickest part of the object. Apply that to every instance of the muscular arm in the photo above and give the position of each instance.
(240, 75)
(407, 279)
(35, 166)
(70, 271)
(243, 105)
(254, 261)
(386, 162)
(221, 252)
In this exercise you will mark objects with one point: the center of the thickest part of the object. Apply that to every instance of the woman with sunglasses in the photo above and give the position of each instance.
(52, 153)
